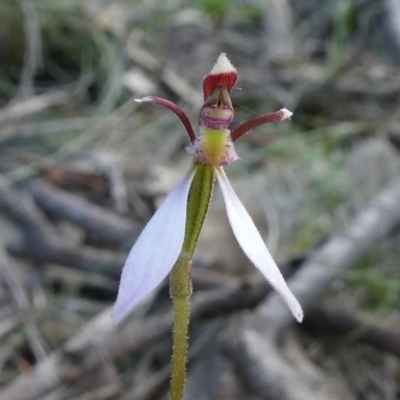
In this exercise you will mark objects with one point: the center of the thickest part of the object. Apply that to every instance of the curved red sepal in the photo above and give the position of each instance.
(247, 126)
(175, 109)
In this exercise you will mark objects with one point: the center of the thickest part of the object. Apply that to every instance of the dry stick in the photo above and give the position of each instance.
(97, 221)
(258, 335)
(334, 321)
(42, 243)
(168, 76)
(36, 105)
(260, 366)
(341, 252)
(100, 341)
(33, 47)
(104, 225)
(21, 299)
(147, 383)
(154, 384)
(394, 134)
(278, 28)
(263, 368)
(393, 12)
(83, 352)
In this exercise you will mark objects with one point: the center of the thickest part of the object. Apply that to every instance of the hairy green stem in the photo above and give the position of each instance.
(181, 286)
(181, 289)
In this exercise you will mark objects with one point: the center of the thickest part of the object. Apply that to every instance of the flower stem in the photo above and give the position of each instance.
(181, 286)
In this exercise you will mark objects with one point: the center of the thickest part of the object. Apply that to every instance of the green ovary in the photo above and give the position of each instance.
(213, 147)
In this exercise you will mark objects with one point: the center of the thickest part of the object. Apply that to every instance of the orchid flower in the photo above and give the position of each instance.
(162, 242)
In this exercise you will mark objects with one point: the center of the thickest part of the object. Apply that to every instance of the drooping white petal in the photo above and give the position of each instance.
(155, 251)
(252, 244)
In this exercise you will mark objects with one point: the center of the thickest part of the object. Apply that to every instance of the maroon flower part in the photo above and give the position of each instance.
(223, 75)
(216, 115)
(276, 116)
(217, 111)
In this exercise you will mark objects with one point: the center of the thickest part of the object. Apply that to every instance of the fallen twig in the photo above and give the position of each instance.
(100, 340)
(27, 108)
(21, 299)
(339, 322)
(100, 223)
(263, 370)
(169, 77)
(42, 243)
(341, 252)
(87, 350)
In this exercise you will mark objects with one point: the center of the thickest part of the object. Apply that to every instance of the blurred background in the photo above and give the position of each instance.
(83, 168)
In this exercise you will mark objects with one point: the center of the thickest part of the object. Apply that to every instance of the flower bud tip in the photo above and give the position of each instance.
(286, 114)
(144, 99)
(222, 66)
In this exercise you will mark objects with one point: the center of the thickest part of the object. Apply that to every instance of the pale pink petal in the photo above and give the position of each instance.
(155, 251)
(252, 244)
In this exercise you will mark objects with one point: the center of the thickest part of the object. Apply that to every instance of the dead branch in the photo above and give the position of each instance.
(394, 135)
(341, 252)
(21, 299)
(278, 29)
(100, 223)
(41, 242)
(265, 371)
(33, 52)
(36, 105)
(152, 387)
(339, 322)
(170, 78)
(393, 12)
(100, 340)
(57, 368)
(87, 351)
(259, 334)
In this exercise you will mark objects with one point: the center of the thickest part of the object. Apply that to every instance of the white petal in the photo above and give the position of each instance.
(252, 244)
(155, 251)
